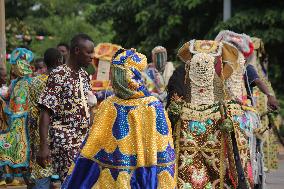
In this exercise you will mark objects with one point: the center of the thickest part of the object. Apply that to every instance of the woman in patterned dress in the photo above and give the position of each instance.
(14, 141)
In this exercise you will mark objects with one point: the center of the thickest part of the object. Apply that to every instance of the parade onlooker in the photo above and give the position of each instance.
(52, 59)
(64, 50)
(64, 108)
(40, 66)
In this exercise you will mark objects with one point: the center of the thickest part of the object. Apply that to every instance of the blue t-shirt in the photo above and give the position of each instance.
(250, 76)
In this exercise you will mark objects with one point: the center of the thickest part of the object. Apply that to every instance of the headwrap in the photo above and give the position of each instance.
(127, 67)
(241, 41)
(159, 56)
(20, 60)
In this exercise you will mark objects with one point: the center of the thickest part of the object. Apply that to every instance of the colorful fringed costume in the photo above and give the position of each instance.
(130, 143)
(158, 73)
(210, 135)
(246, 48)
(270, 147)
(14, 141)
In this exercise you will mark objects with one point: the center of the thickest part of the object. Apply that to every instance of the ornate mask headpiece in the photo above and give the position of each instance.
(159, 56)
(127, 67)
(241, 41)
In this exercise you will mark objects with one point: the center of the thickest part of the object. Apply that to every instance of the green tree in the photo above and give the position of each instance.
(58, 19)
(146, 23)
(143, 24)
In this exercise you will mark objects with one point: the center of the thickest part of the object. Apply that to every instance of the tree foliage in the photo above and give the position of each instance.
(146, 23)
(58, 19)
(143, 24)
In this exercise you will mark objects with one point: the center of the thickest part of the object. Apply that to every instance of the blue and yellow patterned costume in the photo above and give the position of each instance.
(130, 143)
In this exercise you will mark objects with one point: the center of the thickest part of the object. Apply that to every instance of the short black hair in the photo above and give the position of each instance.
(37, 61)
(76, 40)
(64, 45)
(51, 57)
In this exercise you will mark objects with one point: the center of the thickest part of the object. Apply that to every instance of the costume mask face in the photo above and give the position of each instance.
(202, 69)
(159, 55)
(127, 66)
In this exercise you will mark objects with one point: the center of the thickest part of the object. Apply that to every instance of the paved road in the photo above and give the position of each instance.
(274, 179)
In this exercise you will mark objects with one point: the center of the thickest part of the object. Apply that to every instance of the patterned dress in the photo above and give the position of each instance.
(14, 142)
(65, 95)
(37, 86)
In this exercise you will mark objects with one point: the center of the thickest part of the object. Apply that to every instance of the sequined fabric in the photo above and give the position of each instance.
(130, 143)
(205, 153)
(133, 142)
(210, 137)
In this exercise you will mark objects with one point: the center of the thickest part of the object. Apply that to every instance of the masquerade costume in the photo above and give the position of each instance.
(245, 45)
(130, 144)
(210, 141)
(158, 73)
(270, 146)
(14, 141)
(100, 82)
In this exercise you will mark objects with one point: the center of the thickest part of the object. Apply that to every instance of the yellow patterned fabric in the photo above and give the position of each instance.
(36, 88)
(270, 146)
(128, 138)
(205, 152)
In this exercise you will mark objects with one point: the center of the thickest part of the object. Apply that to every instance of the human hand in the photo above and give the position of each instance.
(272, 102)
(92, 99)
(44, 155)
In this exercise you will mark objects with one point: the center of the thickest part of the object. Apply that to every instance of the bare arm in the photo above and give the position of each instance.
(271, 100)
(44, 122)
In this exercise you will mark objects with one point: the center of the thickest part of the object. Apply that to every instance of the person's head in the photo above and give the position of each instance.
(20, 62)
(127, 67)
(82, 49)
(52, 58)
(40, 66)
(3, 76)
(64, 50)
(159, 57)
